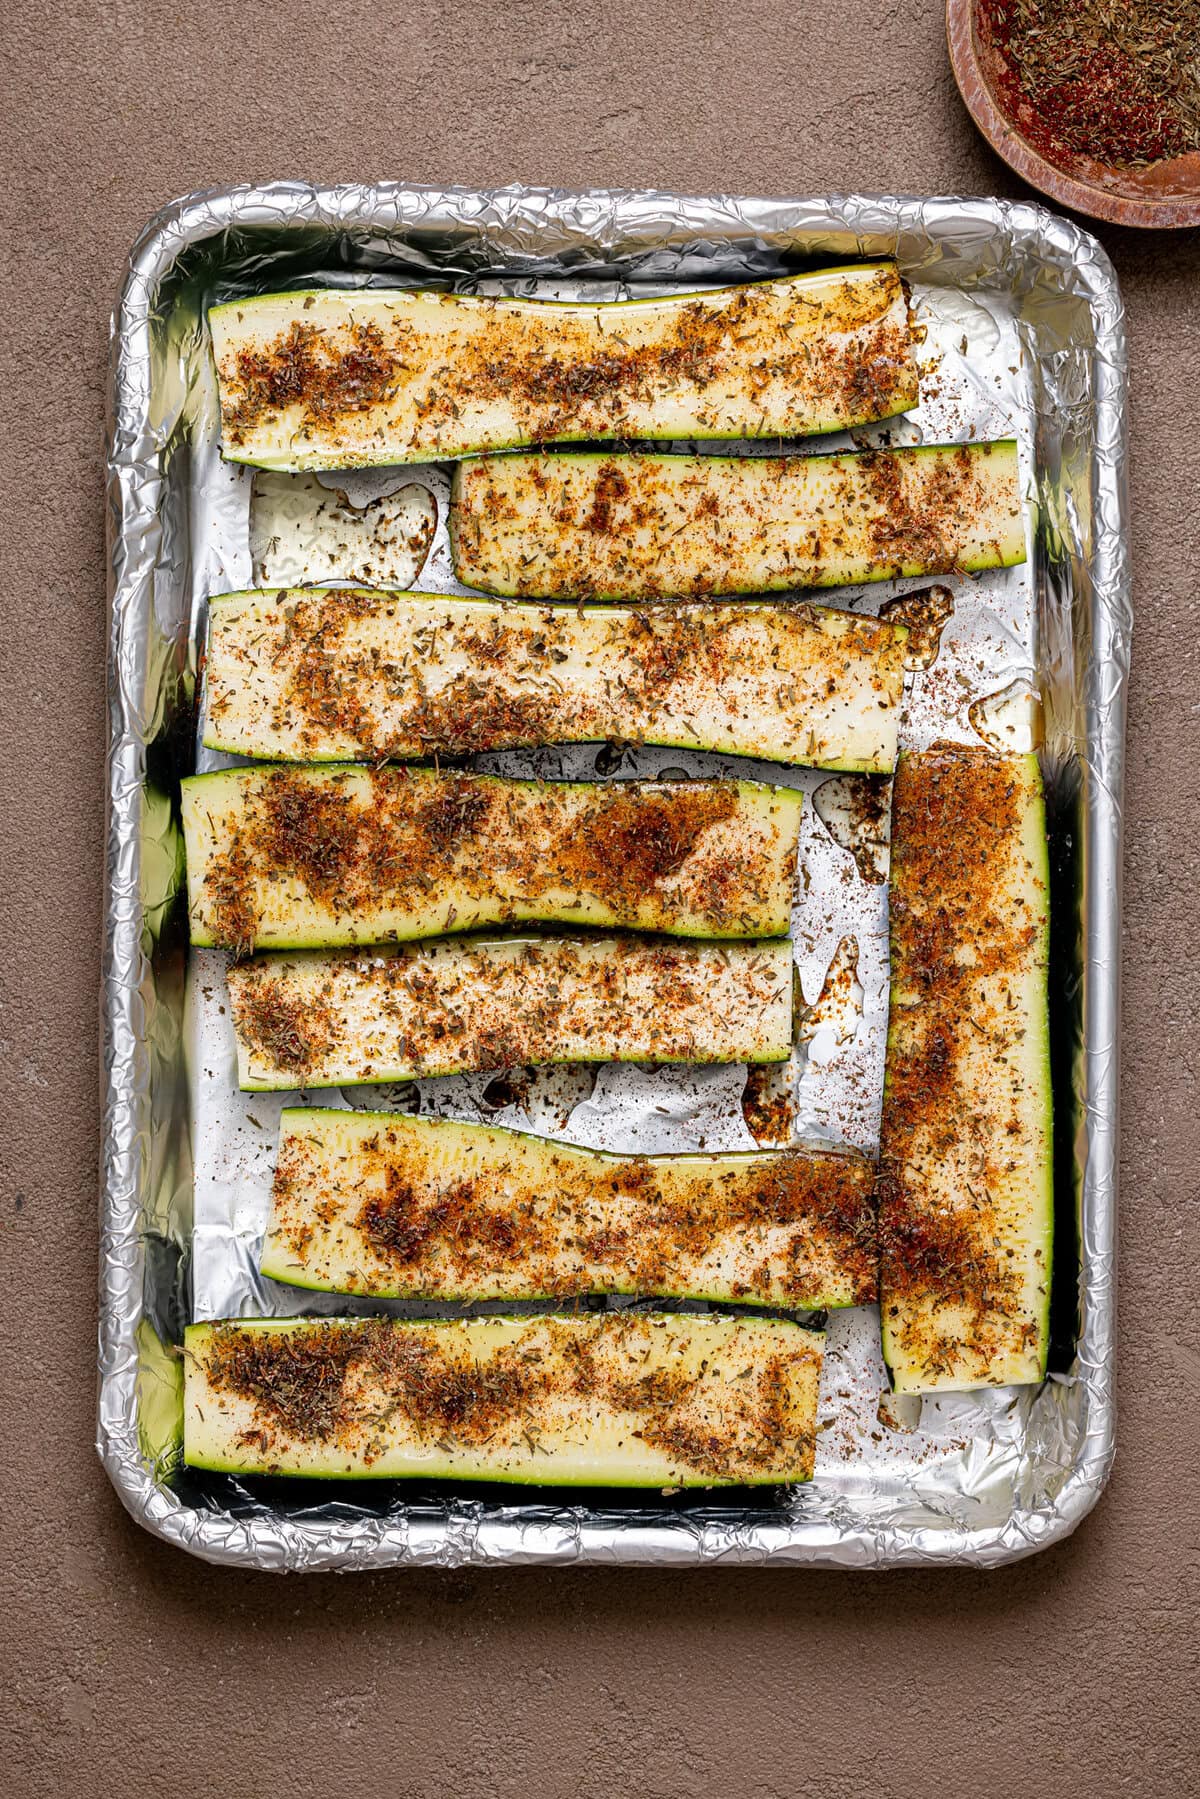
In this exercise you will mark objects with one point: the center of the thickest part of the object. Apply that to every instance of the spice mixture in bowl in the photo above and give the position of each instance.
(1095, 102)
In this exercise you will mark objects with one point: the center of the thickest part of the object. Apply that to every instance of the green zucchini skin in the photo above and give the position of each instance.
(966, 1193)
(611, 1399)
(337, 378)
(334, 674)
(605, 526)
(420, 1208)
(450, 1006)
(287, 858)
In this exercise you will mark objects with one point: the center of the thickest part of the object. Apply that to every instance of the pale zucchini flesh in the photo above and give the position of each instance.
(286, 858)
(612, 1399)
(454, 1005)
(641, 527)
(344, 674)
(337, 378)
(966, 1201)
(424, 1208)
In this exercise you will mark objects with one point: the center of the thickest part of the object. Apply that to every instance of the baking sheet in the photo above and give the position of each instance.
(1023, 338)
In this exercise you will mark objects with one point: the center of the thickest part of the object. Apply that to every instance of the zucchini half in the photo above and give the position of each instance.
(451, 1006)
(618, 1399)
(966, 1202)
(424, 1208)
(334, 674)
(616, 527)
(335, 378)
(287, 858)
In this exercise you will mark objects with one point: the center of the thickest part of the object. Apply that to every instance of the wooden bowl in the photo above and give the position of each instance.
(1163, 194)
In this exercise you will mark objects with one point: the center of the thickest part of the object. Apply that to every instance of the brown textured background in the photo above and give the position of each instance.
(131, 1670)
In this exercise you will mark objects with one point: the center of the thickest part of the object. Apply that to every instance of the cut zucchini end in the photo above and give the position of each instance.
(791, 684)
(454, 1005)
(608, 526)
(968, 1208)
(417, 1208)
(284, 859)
(784, 356)
(1019, 1372)
(278, 1265)
(312, 1083)
(616, 1399)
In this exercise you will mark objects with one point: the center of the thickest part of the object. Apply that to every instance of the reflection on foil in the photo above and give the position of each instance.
(967, 324)
(769, 1102)
(856, 811)
(889, 435)
(899, 1411)
(304, 531)
(386, 1096)
(925, 612)
(162, 864)
(541, 1098)
(1010, 718)
(653, 1111)
(609, 757)
(833, 1018)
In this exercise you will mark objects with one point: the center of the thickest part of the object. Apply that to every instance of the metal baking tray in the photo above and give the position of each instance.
(1024, 336)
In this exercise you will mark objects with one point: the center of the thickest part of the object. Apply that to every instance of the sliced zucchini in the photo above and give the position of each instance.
(336, 674)
(424, 1208)
(612, 527)
(966, 1206)
(287, 858)
(450, 1006)
(618, 1399)
(335, 378)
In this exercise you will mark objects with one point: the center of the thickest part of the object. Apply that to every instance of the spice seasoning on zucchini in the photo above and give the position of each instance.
(966, 1206)
(1117, 81)
(286, 858)
(331, 674)
(459, 1004)
(605, 526)
(335, 378)
(422, 1208)
(612, 1399)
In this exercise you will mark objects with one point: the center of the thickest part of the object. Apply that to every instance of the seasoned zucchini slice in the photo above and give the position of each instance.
(966, 1204)
(448, 1006)
(338, 674)
(618, 1399)
(335, 378)
(634, 527)
(287, 858)
(425, 1208)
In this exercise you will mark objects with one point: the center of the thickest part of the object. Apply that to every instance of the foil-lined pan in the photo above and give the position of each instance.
(1023, 336)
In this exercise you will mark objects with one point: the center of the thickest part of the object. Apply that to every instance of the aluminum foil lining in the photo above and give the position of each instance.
(1024, 337)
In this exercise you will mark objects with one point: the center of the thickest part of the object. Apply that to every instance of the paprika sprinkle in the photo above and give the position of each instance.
(1117, 81)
